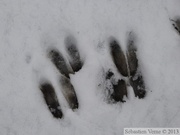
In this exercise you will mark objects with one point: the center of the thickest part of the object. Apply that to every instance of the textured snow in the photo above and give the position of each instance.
(29, 27)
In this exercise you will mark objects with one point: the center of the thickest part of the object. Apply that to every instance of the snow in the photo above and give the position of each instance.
(28, 28)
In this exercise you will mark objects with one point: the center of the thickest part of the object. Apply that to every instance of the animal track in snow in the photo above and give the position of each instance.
(128, 67)
(68, 90)
(126, 64)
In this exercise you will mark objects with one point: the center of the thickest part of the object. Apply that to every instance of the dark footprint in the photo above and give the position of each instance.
(131, 56)
(51, 99)
(58, 60)
(118, 57)
(119, 88)
(136, 79)
(69, 92)
(119, 91)
(137, 83)
(176, 24)
(73, 52)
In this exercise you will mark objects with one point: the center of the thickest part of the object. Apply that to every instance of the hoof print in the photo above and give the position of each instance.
(60, 63)
(118, 57)
(131, 56)
(176, 25)
(51, 99)
(73, 52)
(138, 86)
(69, 92)
(120, 91)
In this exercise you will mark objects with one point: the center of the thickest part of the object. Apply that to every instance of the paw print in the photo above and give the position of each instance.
(68, 90)
(128, 67)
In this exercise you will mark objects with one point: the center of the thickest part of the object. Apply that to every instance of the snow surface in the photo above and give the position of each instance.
(29, 27)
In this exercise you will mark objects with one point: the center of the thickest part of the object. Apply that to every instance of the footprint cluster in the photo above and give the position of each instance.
(128, 66)
(126, 63)
(68, 90)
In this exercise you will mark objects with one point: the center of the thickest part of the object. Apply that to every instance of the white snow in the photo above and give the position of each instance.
(29, 27)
